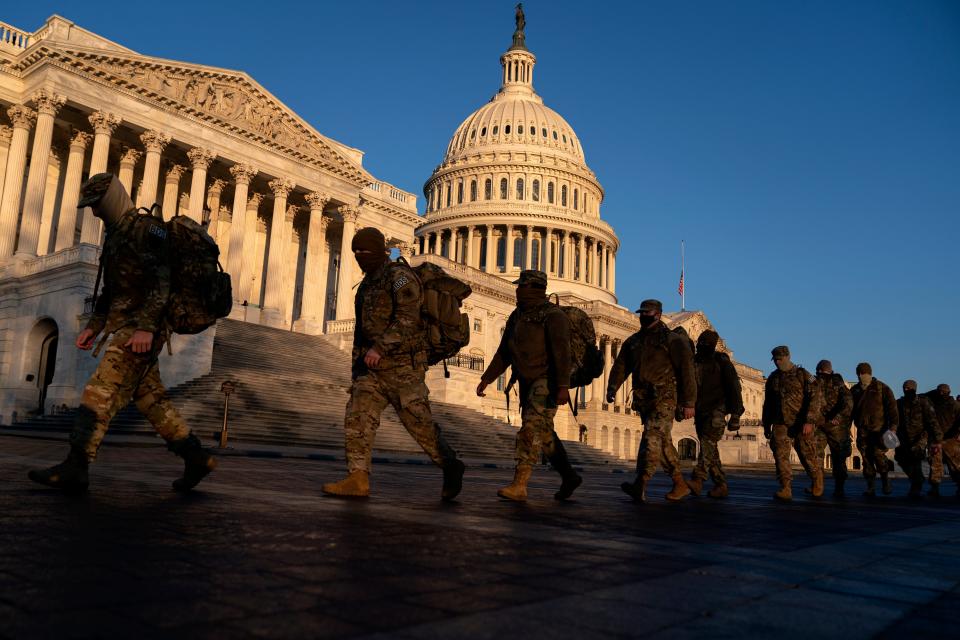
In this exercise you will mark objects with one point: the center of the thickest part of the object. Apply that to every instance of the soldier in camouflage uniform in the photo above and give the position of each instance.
(790, 405)
(389, 367)
(130, 314)
(833, 423)
(664, 380)
(946, 409)
(718, 394)
(536, 345)
(918, 428)
(874, 412)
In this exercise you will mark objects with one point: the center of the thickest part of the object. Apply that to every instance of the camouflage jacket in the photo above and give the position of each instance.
(661, 365)
(536, 343)
(918, 422)
(718, 385)
(792, 398)
(947, 410)
(836, 400)
(136, 276)
(874, 408)
(387, 307)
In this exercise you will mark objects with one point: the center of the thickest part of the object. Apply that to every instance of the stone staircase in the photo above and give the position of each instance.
(291, 390)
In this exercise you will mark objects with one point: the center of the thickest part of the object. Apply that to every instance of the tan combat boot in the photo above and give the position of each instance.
(719, 491)
(517, 490)
(355, 485)
(696, 485)
(680, 489)
(816, 490)
(785, 494)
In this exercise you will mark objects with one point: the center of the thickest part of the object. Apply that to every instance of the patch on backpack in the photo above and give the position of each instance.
(158, 231)
(401, 282)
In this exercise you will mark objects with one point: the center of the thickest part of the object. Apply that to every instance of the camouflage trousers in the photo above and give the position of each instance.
(120, 377)
(781, 444)
(949, 451)
(910, 456)
(810, 451)
(402, 388)
(837, 437)
(536, 432)
(870, 444)
(710, 428)
(656, 445)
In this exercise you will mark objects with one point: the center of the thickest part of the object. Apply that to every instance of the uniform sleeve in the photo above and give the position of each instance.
(155, 269)
(682, 359)
(501, 359)
(843, 409)
(891, 415)
(930, 422)
(558, 338)
(732, 391)
(98, 319)
(813, 400)
(767, 412)
(405, 290)
(623, 365)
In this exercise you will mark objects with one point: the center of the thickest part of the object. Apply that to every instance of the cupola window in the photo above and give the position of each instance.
(554, 135)
(563, 196)
(550, 192)
(496, 128)
(473, 191)
(503, 188)
(544, 131)
(576, 198)
(506, 129)
(536, 191)
(520, 130)
(460, 192)
(488, 189)
(519, 188)
(483, 132)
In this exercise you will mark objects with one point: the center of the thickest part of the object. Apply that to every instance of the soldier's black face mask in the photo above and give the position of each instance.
(647, 321)
(910, 394)
(705, 351)
(527, 296)
(369, 261)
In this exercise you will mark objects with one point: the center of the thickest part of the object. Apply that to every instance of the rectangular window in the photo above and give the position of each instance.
(477, 325)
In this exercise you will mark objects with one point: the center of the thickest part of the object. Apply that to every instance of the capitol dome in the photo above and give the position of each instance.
(514, 192)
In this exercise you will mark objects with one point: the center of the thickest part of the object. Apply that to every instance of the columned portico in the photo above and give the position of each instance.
(67, 225)
(22, 119)
(154, 142)
(128, 164)
(315, 274)
(345, 282)
(237, 253)
(200, 160)
(48, 104)
(103, 124)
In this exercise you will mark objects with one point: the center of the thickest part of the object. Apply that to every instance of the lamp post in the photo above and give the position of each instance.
(226, 388)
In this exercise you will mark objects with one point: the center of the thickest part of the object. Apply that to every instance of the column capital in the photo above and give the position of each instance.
(174, 171)
(217, 185)
(281, 187)
(225, 215)
(153, 140)
(80, 139)
(103, 122)
(292, 211)
(130, 155)
(317, 200)
(21, 116)
(200, 158)
(350, 213)
(254, 200)
(48, 102)
(243, 173)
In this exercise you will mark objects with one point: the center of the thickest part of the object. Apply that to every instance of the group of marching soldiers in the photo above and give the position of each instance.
(672, 379)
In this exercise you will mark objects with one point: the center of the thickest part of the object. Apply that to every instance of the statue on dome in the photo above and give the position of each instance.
(520, 18)
(518, 36)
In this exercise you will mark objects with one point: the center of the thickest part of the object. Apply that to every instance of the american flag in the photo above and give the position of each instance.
(680, 288)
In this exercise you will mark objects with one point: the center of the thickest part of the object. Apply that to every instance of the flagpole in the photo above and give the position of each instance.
(683, 291)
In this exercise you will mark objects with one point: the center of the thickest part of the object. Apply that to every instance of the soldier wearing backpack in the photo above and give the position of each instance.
(130, 313)
(661, 363)
(390, 362)
(536, 345)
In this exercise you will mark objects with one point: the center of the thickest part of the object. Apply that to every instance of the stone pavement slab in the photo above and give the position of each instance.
(258, 552)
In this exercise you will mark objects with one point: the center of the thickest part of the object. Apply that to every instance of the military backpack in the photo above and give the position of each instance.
(446, 329)
(586, 359)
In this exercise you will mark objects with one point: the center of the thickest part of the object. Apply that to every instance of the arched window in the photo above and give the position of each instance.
(519, 188)
(460, 192)
(564, 138)
(519, 129)
(496, 129)
(449, 193)
(563, 196)
(550, 192)
(483, 132)
(536, 191)
(503, 188)
(473, 134)
(576, 198)
(554, 135)
(502, 253)
(473, 191)
(544, 132)
(487, 189)
(519, 247)
(506, 129)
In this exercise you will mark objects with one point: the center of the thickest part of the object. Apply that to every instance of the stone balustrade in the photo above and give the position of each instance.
(12, 38)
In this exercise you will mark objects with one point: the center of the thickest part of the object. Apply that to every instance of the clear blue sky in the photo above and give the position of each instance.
(808, 152)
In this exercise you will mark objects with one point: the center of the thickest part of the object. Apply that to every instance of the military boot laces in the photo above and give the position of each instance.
(636, 490)
(696, 485)
(680, 489)
(452, 480)
(197, 463)
(71, 475)
(355, 485)
(517, 490)
(719, 490)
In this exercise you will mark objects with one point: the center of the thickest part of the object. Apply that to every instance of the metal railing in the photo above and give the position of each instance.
(463, 361)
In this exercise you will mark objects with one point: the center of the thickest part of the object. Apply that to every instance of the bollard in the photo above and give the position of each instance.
(227, 388)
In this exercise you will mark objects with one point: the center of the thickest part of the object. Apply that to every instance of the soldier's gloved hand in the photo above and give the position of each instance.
(733, 424)
(688, 413)
(480, 388)
(372, 359)
(807, 430)
(611, 396)
(140, 342)
(563, 396)
(85, 339)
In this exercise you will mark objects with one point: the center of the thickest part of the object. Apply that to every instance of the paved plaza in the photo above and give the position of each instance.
(258, 552)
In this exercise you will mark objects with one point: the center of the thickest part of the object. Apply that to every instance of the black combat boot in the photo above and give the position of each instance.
(197, 463)
(636, 489)
(452, 480)
(70, 475)
(560, 462)
(885, 485)
(871, 492)
(838, 487)
(934, 491)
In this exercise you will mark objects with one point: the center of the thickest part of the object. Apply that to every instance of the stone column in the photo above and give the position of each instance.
(345, 283)
(103, 126)
(236, 258)
(613, 272)
(214, 192)
(48, 104)
(491, 252)
(607, 364)
(606, 266)
(315, 269)
(562, 254)
(6, 133)
(528, 255)
(154, 142)
(508, 265)
(22, 118)
(48, 215)
(249, 249)
(469, 247)
(200, 160)
(128, 163)
(546, 249)
(582, 246)
(276, 262)
(67, 227)
(596, 392)
(171, 190)
(407, 250)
